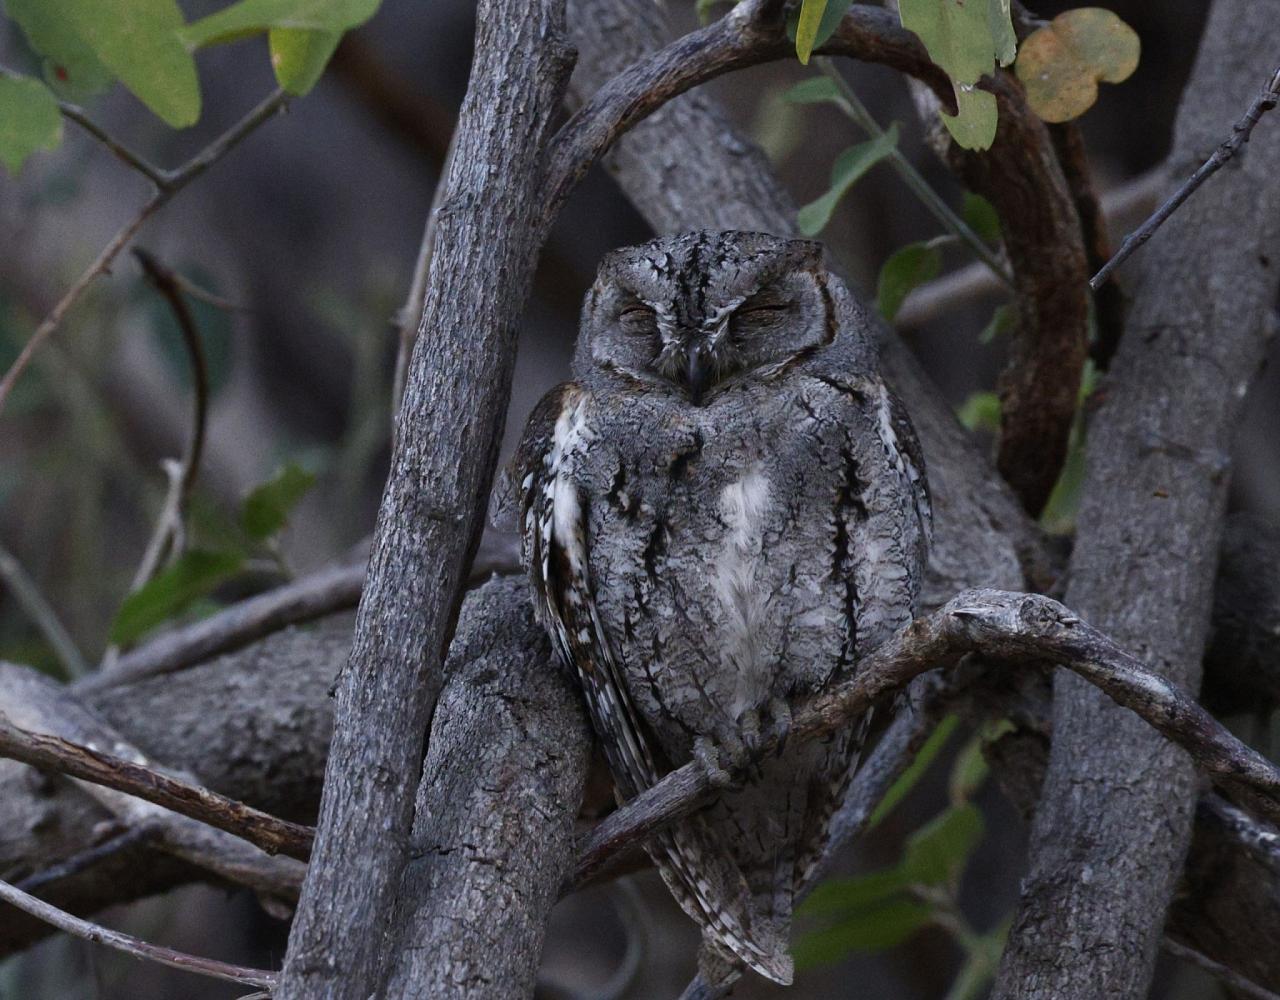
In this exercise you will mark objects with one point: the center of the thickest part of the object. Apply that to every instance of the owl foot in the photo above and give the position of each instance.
(725, 763)
(772, 724)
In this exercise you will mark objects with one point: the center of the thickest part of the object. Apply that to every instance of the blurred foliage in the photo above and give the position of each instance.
(848, 167)
(913, 265)
(1061, 64)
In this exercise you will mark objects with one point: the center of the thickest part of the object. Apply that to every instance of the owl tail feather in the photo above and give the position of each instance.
(711, 889)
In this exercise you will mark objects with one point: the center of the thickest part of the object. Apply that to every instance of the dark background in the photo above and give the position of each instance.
(312, 227)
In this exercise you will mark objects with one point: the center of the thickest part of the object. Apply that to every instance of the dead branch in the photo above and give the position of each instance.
(100, 767)
(133, 946)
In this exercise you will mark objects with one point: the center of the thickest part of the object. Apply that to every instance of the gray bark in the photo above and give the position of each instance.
(493, 835)
(1110, 835)
(489, 232)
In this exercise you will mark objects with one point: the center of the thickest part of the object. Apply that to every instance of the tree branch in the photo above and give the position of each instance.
(999, 627)
(1110, 834)
(166, 185)
(102, 768)
(133, 946)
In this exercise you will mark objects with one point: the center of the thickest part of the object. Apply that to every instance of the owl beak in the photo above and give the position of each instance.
(698, 372)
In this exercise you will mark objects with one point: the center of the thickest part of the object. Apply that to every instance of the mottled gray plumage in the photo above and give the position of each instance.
(721, 512)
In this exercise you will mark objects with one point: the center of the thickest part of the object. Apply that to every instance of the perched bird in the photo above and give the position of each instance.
(722, 511)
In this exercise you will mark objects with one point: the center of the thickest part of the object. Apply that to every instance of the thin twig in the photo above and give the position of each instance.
(1226, 975)
(270, 833)
(122, 152)
(133, 946)
(1002, 627)
(1240, 133)
(91, 856)
(41, 613)
(167, 184)
(852, 105)
(167, 537)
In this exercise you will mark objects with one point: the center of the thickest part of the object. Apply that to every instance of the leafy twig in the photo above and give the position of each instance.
(852, 105)
(42, 750)
(167, 183)
(133, 946)
(41, 613)
(1240, 133)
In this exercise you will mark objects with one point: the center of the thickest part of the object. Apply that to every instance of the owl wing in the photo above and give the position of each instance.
(554, 523)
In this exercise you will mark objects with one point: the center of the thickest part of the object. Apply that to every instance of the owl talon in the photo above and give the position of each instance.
(779, 723)
(724, 763)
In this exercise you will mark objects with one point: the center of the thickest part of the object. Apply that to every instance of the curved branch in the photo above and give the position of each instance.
(1000, 627)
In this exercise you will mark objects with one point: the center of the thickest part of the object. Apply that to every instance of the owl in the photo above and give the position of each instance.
(721, 512)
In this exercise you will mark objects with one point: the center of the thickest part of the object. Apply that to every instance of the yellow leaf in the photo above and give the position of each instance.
(1061, 64)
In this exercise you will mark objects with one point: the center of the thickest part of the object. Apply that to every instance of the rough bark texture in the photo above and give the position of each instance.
(489, 232)
(493, 833)
(1109, 837)
(685, 167)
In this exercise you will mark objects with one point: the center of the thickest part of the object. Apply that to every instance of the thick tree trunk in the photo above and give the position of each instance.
(1110, 834)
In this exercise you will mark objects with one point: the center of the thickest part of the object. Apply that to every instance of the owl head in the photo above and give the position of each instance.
(695, 312)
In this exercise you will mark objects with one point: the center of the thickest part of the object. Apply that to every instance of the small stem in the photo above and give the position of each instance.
(134, 946)
(853, 107)
(41, 613)
(1240, 132)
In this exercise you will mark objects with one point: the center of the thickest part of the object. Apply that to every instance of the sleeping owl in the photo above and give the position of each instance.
(721, 512)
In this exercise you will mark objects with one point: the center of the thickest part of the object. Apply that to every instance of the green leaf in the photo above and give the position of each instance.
(913, 265)
(268, 506)
(814, 90)
(194, 575)
(831, 18)
(938, 851)
(968, 772)
(849, 166)
(1002, 319)
(138, 41)
(1061, 64)
(981, 411)
(252, 17)
(299, 56)
(872, 930)
(974, 124)
(70, 67)
(980, 216)
(957, 34)
(1002, 35)
(29, 120)
(912, 775)
(811, 12)
(840, 896)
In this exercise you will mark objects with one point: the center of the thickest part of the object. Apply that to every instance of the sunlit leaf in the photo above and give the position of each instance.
(299, 56)
(267, 507)
(980, 216)
(1061, 64)
(973, 125)
(29, 120)
(811, 12)
(138, 41)
(968, 772)
(913, 265)
(849, 166)
(70, 67)
(832, 13)
(192, 576)
(938, 851)
(980, 412)
(251, 17)
(912, 775)
(875, 929)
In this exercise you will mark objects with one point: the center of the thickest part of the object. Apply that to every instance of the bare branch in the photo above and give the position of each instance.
(1240, 132)
(133, 946)
(1228, 977)
(102, 768)
(999, 626)
(167, 184)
